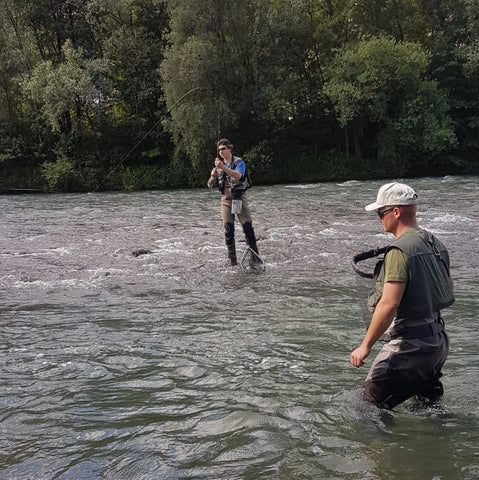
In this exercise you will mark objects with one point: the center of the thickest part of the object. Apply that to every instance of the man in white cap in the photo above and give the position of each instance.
(412, 286)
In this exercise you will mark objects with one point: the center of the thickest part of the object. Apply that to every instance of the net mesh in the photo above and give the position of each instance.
(363, 288)
(364, 278)
(251, 262)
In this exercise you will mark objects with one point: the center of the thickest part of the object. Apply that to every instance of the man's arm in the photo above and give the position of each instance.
(229, 171)
(233, 173)
(383, 316)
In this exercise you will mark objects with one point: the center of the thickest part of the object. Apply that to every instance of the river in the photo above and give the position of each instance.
(130, 351)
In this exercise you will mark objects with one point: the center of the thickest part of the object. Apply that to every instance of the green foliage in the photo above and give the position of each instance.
(144, 177)
(59, 175)
(133, 94)
(328, 166)
(454, 47)
(249, 57)
(405, 20)
(381, 83)
(469, 51)
(66, 92)
(260, 160)
(193, 122)
(366, 78)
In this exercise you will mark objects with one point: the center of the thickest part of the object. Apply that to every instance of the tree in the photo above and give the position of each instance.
(259, 70)
(379, 91)
(403, 20)
(86, 85)
(66, 92)
(94, 85)
(454, 52)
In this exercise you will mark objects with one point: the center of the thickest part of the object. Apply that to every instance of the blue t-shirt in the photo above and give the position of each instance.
(240, 167)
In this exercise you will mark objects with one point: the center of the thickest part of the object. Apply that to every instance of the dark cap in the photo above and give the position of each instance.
(224, 141)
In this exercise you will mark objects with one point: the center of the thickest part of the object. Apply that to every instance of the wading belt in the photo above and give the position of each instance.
(429, 330)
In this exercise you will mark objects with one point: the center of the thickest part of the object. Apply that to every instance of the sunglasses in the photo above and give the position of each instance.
(381, 213)
(222, 148)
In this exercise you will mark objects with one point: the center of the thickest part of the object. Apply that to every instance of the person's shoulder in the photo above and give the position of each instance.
(396, 261)
(417, 230)
(395, 252)
(412, 234)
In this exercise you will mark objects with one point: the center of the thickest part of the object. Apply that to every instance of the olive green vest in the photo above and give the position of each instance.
(428, 289)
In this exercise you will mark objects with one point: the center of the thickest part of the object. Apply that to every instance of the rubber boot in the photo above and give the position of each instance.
(230, 243)
(250, 237)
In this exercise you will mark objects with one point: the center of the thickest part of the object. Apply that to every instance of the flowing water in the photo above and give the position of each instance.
(130, 351)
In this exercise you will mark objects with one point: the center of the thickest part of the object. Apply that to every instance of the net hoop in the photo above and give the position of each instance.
(365, 256)
(251, 262)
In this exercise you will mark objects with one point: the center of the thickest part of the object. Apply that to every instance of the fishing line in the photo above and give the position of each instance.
(144, 136)
(218, 121)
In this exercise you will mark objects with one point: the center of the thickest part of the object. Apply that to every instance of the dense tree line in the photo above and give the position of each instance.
(133, 94)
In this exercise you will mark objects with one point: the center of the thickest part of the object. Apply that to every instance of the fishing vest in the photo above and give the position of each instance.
(428, 289)
(230, 187)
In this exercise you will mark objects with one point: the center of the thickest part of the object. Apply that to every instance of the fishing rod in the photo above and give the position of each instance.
(144, 136)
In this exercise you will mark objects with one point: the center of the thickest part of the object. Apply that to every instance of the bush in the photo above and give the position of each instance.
(60, 175)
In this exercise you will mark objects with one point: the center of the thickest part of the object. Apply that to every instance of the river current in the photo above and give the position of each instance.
(129, 350)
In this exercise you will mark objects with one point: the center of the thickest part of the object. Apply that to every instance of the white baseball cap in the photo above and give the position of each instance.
(393, 194)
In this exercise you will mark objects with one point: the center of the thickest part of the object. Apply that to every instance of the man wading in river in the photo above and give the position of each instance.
(231, 179)
(412, 287)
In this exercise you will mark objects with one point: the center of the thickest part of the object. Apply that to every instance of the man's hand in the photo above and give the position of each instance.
(382, 317)
(358, 356)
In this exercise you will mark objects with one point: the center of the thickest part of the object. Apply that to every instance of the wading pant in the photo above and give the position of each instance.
(404, 368)
(228, 224)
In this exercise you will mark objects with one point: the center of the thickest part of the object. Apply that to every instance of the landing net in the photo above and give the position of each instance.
(251, 262)
(364, 278)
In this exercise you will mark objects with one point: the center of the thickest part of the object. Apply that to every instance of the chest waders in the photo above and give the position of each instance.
(410, 363)
(234, 190)
(230, 240)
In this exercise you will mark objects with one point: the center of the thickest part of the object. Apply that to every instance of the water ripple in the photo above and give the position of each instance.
(171, 365)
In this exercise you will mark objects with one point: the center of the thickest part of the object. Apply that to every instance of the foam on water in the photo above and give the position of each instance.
(170, 365)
